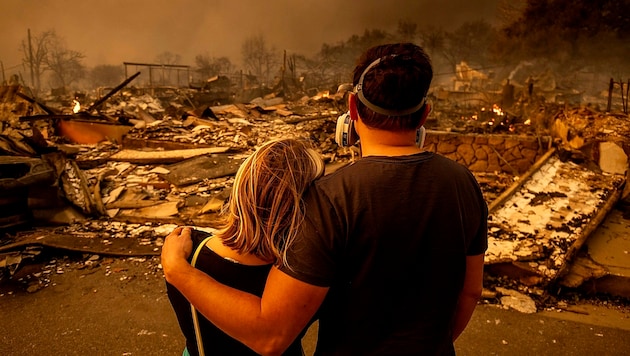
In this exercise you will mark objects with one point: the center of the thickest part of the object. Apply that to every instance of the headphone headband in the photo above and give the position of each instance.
(377, 109)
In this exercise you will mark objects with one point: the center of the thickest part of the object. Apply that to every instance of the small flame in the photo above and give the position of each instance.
(497, 110)
(322, 95)
(77, 106)
(528, 122)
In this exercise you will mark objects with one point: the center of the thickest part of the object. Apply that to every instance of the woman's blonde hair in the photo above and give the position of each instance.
(265, 208)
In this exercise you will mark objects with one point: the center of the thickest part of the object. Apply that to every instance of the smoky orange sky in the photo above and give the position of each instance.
(114, 31)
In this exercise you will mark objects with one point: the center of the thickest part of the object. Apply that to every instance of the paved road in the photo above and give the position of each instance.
(119, 307)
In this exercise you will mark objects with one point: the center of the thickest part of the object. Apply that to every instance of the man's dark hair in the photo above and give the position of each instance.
(399, 81)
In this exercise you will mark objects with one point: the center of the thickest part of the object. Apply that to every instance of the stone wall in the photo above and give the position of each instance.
(511, 154)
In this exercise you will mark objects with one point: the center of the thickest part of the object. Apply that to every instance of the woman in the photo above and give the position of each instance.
(259, 222)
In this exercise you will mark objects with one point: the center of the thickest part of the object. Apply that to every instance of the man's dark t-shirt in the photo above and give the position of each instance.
(390, 236)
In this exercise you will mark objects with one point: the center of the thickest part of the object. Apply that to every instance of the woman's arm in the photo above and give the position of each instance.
(268, 325)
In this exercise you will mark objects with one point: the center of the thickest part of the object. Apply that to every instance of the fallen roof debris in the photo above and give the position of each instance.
(149, 165)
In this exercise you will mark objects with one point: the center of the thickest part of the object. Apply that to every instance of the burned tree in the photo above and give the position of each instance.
(167, 57)
(65, 64)
(573, 34)
(106, 75)
(210, 66)
(407, 31)
(469, 43)
(258, 58)
(35, 51)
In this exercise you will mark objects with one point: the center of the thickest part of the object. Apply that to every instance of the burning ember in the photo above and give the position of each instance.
(322, 95)
(497, 110)
(493, 119)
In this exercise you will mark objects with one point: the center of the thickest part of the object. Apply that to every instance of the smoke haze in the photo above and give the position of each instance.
(114, 31)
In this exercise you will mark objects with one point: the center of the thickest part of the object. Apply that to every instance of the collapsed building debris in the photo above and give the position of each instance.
(539, 224)
(17, 174)
(120, 193)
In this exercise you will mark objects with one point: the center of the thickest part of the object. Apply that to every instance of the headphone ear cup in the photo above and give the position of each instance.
(345, 136)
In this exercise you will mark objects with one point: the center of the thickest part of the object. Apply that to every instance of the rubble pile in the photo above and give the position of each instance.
(545, 221)
(174, 165)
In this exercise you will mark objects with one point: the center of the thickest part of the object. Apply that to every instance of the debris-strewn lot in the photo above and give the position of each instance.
(113, 182)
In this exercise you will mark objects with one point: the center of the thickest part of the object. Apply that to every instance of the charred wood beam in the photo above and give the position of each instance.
(79, 115)
(112, 92)
(33, 101)
(522, 179)
(45, 117)
(297, 120)
(156, 65)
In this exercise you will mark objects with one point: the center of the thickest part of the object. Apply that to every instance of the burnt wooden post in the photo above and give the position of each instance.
(610, 90)
(624, 98)
(112, 92)
(625, 103)
(48, 110)
(242, 83)
(507, 95)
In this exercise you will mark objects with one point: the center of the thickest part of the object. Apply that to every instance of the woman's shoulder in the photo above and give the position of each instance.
(198, 236)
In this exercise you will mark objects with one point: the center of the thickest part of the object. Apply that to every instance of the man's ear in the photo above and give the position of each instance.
(428, 107)
(352, 107)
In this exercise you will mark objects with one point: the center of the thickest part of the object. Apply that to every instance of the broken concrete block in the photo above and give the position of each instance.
(517, 301)
(612, 158)
(203, 167)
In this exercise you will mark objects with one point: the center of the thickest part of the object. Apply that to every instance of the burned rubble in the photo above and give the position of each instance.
(114, 179)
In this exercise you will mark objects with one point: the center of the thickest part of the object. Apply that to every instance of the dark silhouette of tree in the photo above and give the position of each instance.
(35, 51)
(167, 76)
(374, 37)
(407, 31)
(259, 59)
(106, 75)
(334, 63)
(470, 43)
(508, 11)
(433, 40)
(208, 66)
(65, 64)
(574, 34)
(167, 57)
(337, 60)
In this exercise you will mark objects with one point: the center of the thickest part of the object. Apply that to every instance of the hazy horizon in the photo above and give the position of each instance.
(116, 31)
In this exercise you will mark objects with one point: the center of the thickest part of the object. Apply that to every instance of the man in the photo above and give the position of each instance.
(391, 251)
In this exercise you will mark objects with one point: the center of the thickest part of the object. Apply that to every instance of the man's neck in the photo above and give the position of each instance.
(387, 150)
(376, 142)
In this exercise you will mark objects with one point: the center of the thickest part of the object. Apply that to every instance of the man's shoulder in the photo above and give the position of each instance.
(450, 164)
(338, 172)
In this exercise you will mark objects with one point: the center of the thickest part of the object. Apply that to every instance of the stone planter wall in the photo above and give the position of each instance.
(489, 153)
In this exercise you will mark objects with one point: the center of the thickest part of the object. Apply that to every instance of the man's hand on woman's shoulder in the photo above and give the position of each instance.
(175, 251)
